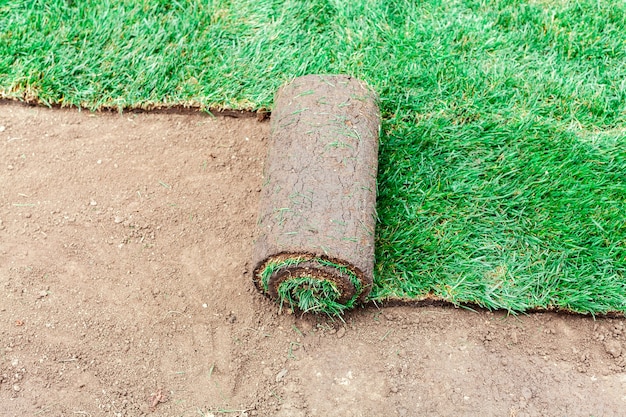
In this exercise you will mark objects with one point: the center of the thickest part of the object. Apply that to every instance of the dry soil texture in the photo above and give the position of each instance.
(125, 290)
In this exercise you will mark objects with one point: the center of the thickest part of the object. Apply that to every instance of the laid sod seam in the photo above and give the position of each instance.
(503, 148)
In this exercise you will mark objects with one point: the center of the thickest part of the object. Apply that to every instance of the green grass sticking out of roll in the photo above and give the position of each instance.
(308, 293)
(276, 266)
(312, 295)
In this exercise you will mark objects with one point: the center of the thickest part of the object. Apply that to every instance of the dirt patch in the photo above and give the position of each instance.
(125, 289)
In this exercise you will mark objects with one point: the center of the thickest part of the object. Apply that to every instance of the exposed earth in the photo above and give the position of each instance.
(125, 290)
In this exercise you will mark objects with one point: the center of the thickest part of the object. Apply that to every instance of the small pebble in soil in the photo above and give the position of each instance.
(613, 348)
(305, 327)
(341, 332)
(281, 375)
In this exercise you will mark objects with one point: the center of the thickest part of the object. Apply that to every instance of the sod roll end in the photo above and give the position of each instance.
(315, 244)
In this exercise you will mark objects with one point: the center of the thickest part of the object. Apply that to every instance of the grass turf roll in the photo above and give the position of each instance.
(317, 214)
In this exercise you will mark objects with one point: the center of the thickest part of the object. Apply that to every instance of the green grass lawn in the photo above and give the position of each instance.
(502, 178)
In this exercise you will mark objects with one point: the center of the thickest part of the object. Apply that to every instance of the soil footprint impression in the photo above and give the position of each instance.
(315, 244)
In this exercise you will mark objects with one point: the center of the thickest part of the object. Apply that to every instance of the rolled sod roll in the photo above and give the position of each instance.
(315, 246)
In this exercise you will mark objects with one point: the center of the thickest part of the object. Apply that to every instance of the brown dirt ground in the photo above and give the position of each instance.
(125, 290)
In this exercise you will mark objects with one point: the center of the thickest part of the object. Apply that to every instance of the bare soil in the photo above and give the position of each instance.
(125, 290)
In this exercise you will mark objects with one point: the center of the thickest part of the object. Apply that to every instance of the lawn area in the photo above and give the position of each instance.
(502, 177)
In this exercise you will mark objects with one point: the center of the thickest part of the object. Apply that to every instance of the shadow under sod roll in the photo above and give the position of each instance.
(317, 215)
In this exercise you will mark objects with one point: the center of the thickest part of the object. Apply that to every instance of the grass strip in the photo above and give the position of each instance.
(503, 151)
